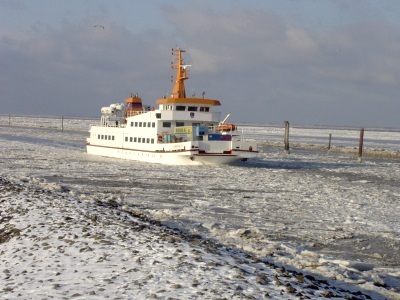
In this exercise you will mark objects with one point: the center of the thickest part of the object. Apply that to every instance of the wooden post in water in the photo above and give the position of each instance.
(9, 119)
(329, 144)
(360, 145)
(286, 137)
(62, 123)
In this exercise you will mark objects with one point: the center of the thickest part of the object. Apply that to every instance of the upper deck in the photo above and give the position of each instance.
(198, 101)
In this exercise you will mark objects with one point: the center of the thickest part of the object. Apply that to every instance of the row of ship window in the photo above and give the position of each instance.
(127, 139)
(139, 140)
(189, 108)
(143, 124)
(153, 124)
(106, 137)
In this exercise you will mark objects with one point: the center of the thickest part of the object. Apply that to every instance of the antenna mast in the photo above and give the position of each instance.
(181, 74)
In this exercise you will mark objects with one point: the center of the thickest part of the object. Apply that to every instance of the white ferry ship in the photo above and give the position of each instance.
(181, 131)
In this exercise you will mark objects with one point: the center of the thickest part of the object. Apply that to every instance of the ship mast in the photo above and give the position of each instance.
(178, 95)
(181, 74)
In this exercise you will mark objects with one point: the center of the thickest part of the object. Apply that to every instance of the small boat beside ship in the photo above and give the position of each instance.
(180, 131)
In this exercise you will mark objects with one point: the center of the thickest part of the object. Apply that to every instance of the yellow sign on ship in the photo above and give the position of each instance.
(183, 130)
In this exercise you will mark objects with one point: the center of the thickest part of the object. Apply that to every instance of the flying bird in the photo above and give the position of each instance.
(101, 26)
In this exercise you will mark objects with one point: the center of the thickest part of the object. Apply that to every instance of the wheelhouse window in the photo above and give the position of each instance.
(192, 108)
(179, 124)
(181, 107)
(140, 124)
(153, 124)
(206, 109)
(126, 139)
(166, 124)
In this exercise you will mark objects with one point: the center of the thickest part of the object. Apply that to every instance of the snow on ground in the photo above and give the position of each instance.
(320, 214)
(55, 246)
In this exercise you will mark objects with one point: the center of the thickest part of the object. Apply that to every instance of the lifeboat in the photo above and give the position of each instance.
(226, 127)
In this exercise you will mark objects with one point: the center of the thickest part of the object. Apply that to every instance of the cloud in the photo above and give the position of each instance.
(296, 68)
(60, 70)
(366, 53)
(251, 40)
(300, 41)
(12, 4)
(247, 58)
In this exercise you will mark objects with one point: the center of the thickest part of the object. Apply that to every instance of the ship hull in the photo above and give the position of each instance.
(169, 158)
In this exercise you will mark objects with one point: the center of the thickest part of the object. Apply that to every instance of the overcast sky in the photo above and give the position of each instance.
(316, 62)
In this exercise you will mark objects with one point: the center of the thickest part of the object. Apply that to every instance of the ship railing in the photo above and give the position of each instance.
(114, 124)
(134, 113)
(113, 121)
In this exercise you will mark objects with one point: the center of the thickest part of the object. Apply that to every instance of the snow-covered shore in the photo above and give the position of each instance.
(319, 214)
(53, 245)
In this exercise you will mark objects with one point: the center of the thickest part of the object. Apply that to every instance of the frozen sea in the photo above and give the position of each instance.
(313, 212)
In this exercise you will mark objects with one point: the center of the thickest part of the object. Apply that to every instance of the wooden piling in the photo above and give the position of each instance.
(9, 119)
(360, 145)
(62, 123)
(286, 140)
(329, 143)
